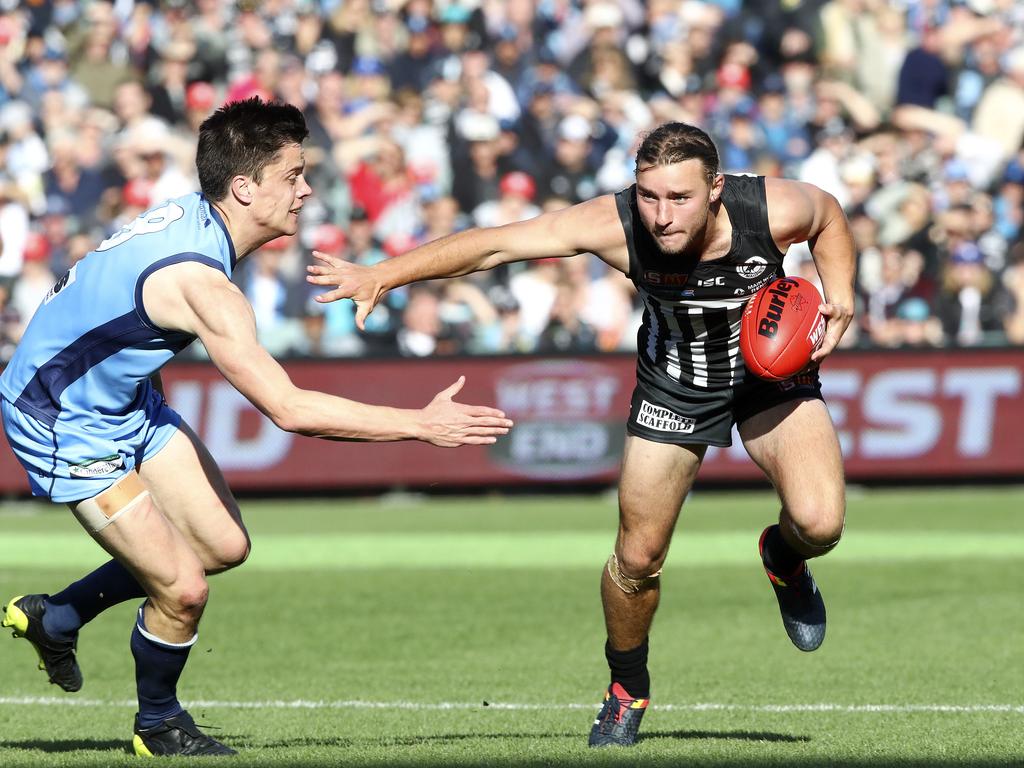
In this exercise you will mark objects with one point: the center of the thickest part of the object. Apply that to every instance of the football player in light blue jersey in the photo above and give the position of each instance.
(84, 413)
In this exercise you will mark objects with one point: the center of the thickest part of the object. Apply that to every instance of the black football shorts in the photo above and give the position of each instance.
(684, 415)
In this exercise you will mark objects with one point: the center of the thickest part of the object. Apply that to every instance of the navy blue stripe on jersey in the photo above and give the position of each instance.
(227, 236)
(41, 396)
(177, 258)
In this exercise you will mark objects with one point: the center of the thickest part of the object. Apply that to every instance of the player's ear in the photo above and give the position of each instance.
(716, 188)
(241, 188)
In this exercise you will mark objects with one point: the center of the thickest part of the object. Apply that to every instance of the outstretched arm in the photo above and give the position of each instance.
(201, 301)
(589, 227)
(799, 212)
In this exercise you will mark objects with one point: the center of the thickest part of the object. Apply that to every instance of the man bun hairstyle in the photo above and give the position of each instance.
(243, 138)
(673, 143)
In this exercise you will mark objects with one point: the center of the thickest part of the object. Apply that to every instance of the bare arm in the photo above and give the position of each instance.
(196, 299)
(589, 227)
(799, 212)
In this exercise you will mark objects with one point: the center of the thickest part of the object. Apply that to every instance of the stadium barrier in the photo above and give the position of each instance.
(922, 416)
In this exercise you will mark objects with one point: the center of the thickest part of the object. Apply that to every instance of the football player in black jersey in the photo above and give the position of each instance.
(697, 244)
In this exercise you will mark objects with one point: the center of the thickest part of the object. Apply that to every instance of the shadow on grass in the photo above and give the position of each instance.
(723, 735)
(454, 738)
(68, 745)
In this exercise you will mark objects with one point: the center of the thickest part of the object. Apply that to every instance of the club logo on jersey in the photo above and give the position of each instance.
(752, 267)
(97, 467)
(662, 419)
(665, 278)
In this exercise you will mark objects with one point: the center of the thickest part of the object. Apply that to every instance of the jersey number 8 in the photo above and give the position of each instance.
(154, 220)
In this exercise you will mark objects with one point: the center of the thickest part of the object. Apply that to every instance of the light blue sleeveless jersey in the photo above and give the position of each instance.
(82, 368)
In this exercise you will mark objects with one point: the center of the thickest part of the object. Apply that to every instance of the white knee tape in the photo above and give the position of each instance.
(628, 584)
(122, 497)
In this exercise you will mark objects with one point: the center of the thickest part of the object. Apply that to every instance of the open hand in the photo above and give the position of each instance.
(449, 424)
(353, 281)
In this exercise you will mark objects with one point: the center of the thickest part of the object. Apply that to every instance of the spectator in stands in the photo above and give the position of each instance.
(966, 304)
(924, 77)
(78, 188)
(49, 74)
(25, 156)
(999, 115)
(14, 230)
(274, 298)
(1013, 283)
(422, 333)
(515, 202)
(571, 175)
(475, 170)
(95, 65)
(331, 328)
(411, 69)
(169, 80)
(34, 282)
(566, 331)
(200, 101)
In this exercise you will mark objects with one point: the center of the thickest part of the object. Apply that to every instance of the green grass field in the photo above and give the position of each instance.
(468, 632)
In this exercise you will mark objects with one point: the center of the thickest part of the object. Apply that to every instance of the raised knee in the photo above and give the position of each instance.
(639, 561)
(232, 551)
(819, 533)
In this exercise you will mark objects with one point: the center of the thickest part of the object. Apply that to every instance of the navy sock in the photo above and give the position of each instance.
(780, 558)
(81, 602)
(629, 669)
(158, 665)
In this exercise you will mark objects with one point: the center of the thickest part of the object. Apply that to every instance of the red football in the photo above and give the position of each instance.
(781, 328)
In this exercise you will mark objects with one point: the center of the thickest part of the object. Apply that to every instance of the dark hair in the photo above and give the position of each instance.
(242, 138)
(675, 142)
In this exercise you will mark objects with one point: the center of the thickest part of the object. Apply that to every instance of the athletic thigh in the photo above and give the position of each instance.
(189, 488)
(656, 477)
(142, 538)
(796, 446)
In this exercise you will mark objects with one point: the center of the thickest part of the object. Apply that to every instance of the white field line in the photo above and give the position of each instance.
(53, 701)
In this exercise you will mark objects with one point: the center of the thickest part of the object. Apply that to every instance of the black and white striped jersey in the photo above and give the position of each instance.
(692, 309)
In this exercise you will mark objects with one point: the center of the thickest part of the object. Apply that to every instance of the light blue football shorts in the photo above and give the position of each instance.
(65, 463)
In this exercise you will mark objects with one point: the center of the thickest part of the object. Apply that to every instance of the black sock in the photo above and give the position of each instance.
(780, 558)
(158, 665)
(629, 669)
(80, 602)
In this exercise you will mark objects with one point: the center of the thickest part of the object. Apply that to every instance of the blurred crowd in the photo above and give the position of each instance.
(430, 116)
